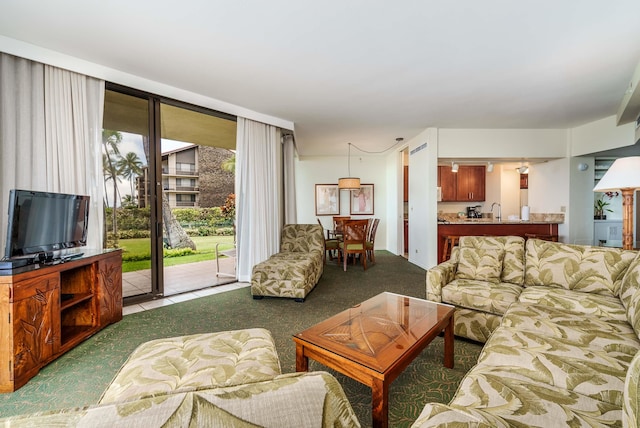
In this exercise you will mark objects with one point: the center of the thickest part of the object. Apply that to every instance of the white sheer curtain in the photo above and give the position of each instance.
(50, 134)
(258, 194)
(289, 148)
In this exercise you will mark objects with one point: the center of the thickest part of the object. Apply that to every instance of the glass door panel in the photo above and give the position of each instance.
(198, 205)
(126, 154)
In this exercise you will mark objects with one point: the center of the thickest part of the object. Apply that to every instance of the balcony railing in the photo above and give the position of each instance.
(181, 189)
(174, 171)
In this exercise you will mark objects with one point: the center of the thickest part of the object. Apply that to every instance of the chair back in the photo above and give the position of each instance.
(372, 230)
(338, 222)
(355, 232)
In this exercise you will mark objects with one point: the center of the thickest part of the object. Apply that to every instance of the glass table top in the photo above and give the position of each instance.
(378, 331)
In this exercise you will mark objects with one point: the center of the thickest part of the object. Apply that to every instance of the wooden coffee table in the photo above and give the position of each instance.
(374, 341)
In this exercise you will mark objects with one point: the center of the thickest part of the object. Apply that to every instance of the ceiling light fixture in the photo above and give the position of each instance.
(489, 167)
(454, 167)
(349, 183)
(523, 169)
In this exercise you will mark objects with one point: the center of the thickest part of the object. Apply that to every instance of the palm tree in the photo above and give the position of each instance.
(131, 167)
(110, 142)
(229, 164)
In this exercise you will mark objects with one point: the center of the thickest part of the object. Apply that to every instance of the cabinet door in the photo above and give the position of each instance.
(406, 184)
(36, 325)
(447, 182)
(110, 290)
(471, 183)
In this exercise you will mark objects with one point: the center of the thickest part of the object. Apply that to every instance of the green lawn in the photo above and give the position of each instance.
(205, 250)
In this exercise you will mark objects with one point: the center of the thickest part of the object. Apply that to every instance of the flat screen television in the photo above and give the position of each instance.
(43, 222)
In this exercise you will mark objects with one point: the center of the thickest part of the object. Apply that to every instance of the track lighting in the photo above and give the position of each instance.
(454, 167)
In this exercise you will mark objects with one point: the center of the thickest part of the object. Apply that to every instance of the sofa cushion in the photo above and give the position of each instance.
(483, 264)
(194, 362)
(523, 403)
(631, 406)
(596, 372)
(605, 307)
(493, 298)
(556, 321)
(513, 263)
(576, 267)
(303, 238)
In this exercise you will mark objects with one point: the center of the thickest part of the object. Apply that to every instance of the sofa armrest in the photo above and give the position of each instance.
(439, 276)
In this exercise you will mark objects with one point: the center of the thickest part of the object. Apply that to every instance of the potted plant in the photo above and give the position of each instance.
(599, 207)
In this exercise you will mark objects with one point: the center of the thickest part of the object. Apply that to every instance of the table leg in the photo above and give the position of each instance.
(380, 403)
(448, 344)
(302, 362)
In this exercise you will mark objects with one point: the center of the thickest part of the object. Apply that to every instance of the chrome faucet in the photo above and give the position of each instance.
(499, 216)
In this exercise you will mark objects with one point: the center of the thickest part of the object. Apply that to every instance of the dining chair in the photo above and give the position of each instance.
(337, 224)
(330, 244)
(354, 238)
(371, 239)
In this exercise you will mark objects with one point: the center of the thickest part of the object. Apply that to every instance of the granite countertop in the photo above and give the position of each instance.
(534, 218)
(489, 221)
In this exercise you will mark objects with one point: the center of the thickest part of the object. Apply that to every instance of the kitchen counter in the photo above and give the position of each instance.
(490, 221)
(486, 226)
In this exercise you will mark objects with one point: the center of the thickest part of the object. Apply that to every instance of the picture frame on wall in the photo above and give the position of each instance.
(327, 199)
(362, 200)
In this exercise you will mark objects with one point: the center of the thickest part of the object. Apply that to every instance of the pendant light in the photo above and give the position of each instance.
(349, 183)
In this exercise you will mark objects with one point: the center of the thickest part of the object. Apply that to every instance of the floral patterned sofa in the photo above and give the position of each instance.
(228, 378)
(296, 269)
(562, 324)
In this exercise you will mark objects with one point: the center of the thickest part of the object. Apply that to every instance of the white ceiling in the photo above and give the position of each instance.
(364, 71)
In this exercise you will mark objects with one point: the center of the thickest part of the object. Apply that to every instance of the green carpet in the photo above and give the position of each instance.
(79, 377)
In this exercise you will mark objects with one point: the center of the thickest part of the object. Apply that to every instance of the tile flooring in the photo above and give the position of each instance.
(177, 298)
(181, 278)
(181, 283)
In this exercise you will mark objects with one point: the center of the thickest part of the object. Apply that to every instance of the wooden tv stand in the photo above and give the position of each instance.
(46, 310)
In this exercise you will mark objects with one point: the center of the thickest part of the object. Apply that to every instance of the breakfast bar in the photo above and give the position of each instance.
(490, 227)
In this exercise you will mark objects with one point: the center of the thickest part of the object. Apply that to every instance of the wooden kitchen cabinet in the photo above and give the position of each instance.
(405, 187)
(46, 310)
(466, 185)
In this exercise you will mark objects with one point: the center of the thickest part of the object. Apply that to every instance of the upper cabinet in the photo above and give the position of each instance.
(466, 185)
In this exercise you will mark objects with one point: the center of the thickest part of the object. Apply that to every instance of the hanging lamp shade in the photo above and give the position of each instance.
(349, 183)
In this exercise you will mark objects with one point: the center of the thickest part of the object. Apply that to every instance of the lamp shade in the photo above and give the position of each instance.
(349, 183)
(623, 174)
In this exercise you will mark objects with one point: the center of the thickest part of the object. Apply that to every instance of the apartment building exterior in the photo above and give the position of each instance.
(192, 177)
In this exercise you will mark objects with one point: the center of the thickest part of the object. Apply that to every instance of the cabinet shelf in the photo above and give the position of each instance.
(68, 300)
(75, 333)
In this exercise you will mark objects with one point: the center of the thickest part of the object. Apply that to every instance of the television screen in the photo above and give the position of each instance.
(43, 222)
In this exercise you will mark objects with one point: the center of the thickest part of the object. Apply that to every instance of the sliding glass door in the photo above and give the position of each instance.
(169, 183)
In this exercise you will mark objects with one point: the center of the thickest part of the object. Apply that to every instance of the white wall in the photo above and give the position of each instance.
(502, 143)
(312, 170)
(423, 178)
(549, 191)
(509, 192)
(600, 135)
(580, 208)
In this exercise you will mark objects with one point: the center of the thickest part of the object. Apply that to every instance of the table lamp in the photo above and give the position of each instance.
(623, 176)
